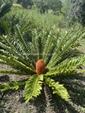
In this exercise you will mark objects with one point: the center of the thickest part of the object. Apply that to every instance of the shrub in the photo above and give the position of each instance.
(32, 18)
(57, 54)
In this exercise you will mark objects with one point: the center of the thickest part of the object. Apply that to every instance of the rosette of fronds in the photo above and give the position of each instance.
(42, 59)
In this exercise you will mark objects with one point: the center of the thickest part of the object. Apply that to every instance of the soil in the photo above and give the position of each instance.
(13, 101)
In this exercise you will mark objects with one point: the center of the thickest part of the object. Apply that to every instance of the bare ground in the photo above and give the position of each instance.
(13, 101)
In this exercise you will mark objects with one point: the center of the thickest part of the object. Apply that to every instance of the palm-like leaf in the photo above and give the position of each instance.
(11, 85)
(54, 51)
(58, 89)
(33, 87)
(67, 67)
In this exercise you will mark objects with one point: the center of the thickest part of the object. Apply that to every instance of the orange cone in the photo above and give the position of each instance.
(40, 67)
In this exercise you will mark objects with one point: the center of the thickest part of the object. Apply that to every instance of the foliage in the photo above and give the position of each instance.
(57, 88)
(75, 11)
(29, 17)
(33, 87)
(82, 14)
(55, 5)
(56, 51)
(25, 3)
(4, 8)
(17, 6)
(20, 16)
(71, 10)
(13, 18)
(38, 37)
(45, 5)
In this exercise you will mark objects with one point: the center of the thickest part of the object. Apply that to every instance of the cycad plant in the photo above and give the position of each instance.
(42, 59)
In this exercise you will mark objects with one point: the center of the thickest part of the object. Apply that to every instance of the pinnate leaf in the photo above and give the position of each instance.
(58, 89)
(33, 87)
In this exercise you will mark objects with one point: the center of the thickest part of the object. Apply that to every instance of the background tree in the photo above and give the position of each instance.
(4, 7)
(75, 11)
(25, 3)
(55, 5)
(45, 5)
(82, 13)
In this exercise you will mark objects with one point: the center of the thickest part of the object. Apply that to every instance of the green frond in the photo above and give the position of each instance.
(40, 47)
(63, 45)
(51, 50)
(69, 66)
(21, 39)
(15, 63)
(9, 51)
(35, 45)
(48, 45)
(58, 89)
(80, 71)
(33, 87)
(17, 48)
(12, 72)
(11, 85)
(59, 44)
(6, 28)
